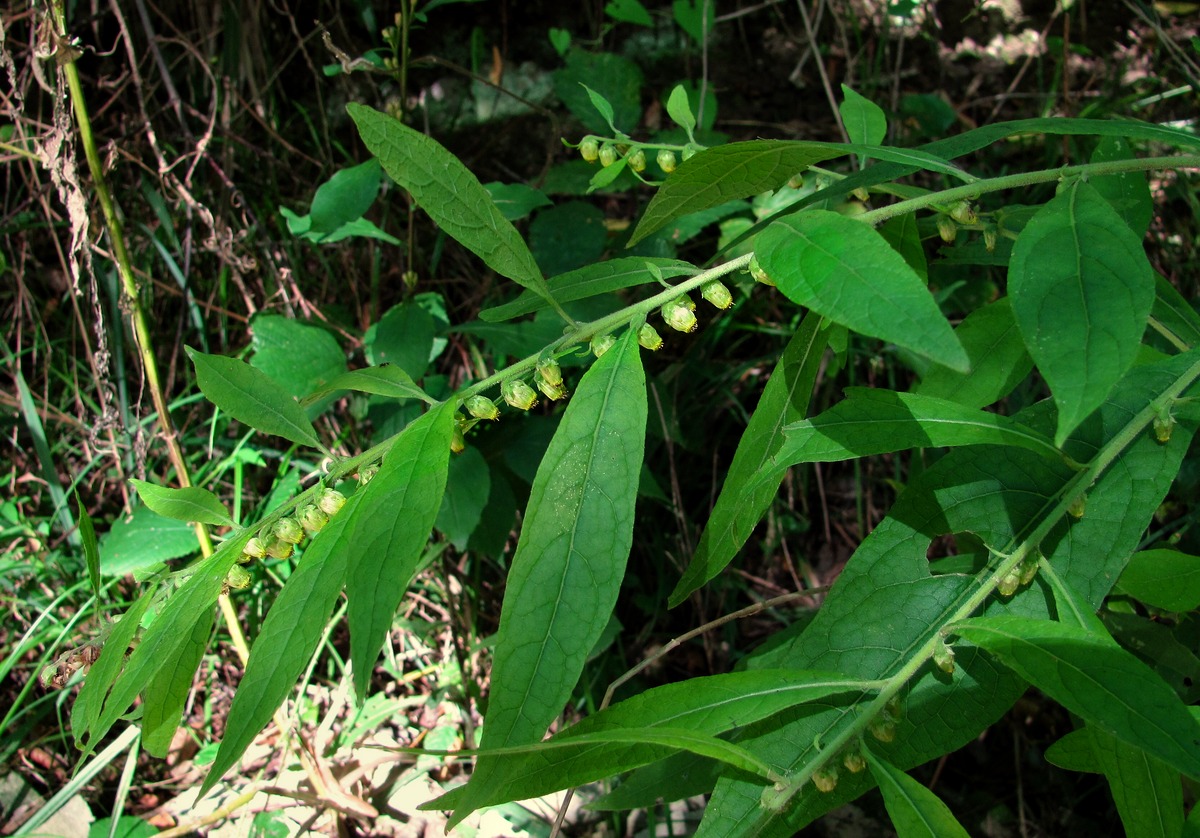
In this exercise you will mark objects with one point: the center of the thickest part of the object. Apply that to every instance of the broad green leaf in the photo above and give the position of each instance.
(1166, 579)
(616, 78)
(871, 422)
(1095, 679)
(300, 357)
(903, 234)
(707, 706)
(1148, 793)
(846, 271)
(468, 486)
(188, 504)
(751, 485)
(164, 697)
(997, 355)
(252, 397)
(1073, 752)
(1081, 290)
(680, 109)
(1128, 193)
(591, 281)
(1165, 646)
(628, 11)
(404, 336)
(739, 170)
(143, 540)
(85, 713)
(677, 777)
(452, 196)
(1174, 314)
(516, 200)
(345, 196)
(916, 812)
(695, 17)
(168, 636)
(91, 550)
(288, 638)
(568, 236)
(390, 531)
(386, 380)
(886, 603)
(300, 226)
(864, 120)
(571, 554)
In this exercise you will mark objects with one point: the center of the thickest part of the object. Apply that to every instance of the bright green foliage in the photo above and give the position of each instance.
(345, 196)
(189, 504)
(997, 356)
(1166, 579)
(864, 120)
(167, 692)
(915, 811)
(300, 357)
(387, 380)
(1082, 288)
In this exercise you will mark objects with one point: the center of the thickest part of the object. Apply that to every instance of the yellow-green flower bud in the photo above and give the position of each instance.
(254, 549)
(518, 394)
(989, 239)
(883, 729)
(289, 530)
(649, 337)
(550, 390)
(666, 160)
(1029, 567)
(312, 518)
(458, 441)
(943, 657)
(550, 372)
(601, 344)
(608, 155)
(481, 407)
(366, 475)
(796, 181)
(854, 761)
(678, 315)
(589, 150)
(947, 229)
(963, 213)
(388, 33)
(861, 193)
(825, 778)
(689, 151)
(1008, 584)
(1077, 507)
(1164, 424)
(330, 501)
(758, 274)
(637, 160)
(237, 577)
(279, 549)
(717, 294)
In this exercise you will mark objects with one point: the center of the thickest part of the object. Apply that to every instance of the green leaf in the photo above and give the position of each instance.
(846, 271)
(1166, 579)
(252, 397)
(300, 357)
(289, 637)
(387, 380)
(1174, 314)
(165, 695)
(694, 17)
(142, 540)
(345, 196)
(1095, 679)
(708, 706)
(1073, 752)
(91, 551)
(1148, 792)
(390, 531)
(404, 336)
(602, 107)
(1081, 290)
(188, 504)
(628, 11)
(591, 281)
(516, 200)
(571, 554)
(1128, 193)
(751, 485)
(567, 237)
(872, 421)
(614, 77)
(903, 234)
(864, 120)
(468, 486)
(452, 196)
(916, 812)
(680, 109)
(997, 356)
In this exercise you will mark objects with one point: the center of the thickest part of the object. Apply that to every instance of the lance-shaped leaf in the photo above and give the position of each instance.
(1163, 578)
(590, 281)
(165, 695)
(997, 354)
(864, 120)
(886, 604)
(1081, 289)
(870, 421)
(916, 812)
(452, 196)
(390, 531)
(571, 555)
(708, 706)
(751, 484)
(252, 397)
(289, 636)
(384, 380)
(187, 504)
(1097, 680)
(846, 271)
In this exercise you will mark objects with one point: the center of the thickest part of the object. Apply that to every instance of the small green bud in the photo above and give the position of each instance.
(388, 33)
(883, 729)
(1077, 507)
(649, 338)
(312, 518)
(1029, 566)
(690, 150)
(330, 501)
(366, 475)
(602, 343)
(796, 181)
(458, 442)
(678, 315)
(989, 239)
(254, 549)
(963, 213)
(1164, 423)
(550, 372)
(637, 160)
(947, 229)
(717, 294)
(608, 155)
(943, 657)
(861, 193)
(550, 390)
(289, 530)
(589, 150)
(481, 407)
(518, 394)
(238, 577)
(666, 160)
(854, 761)
(1008, 585)
(758, 274)
(825, 778)
(279, 549)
